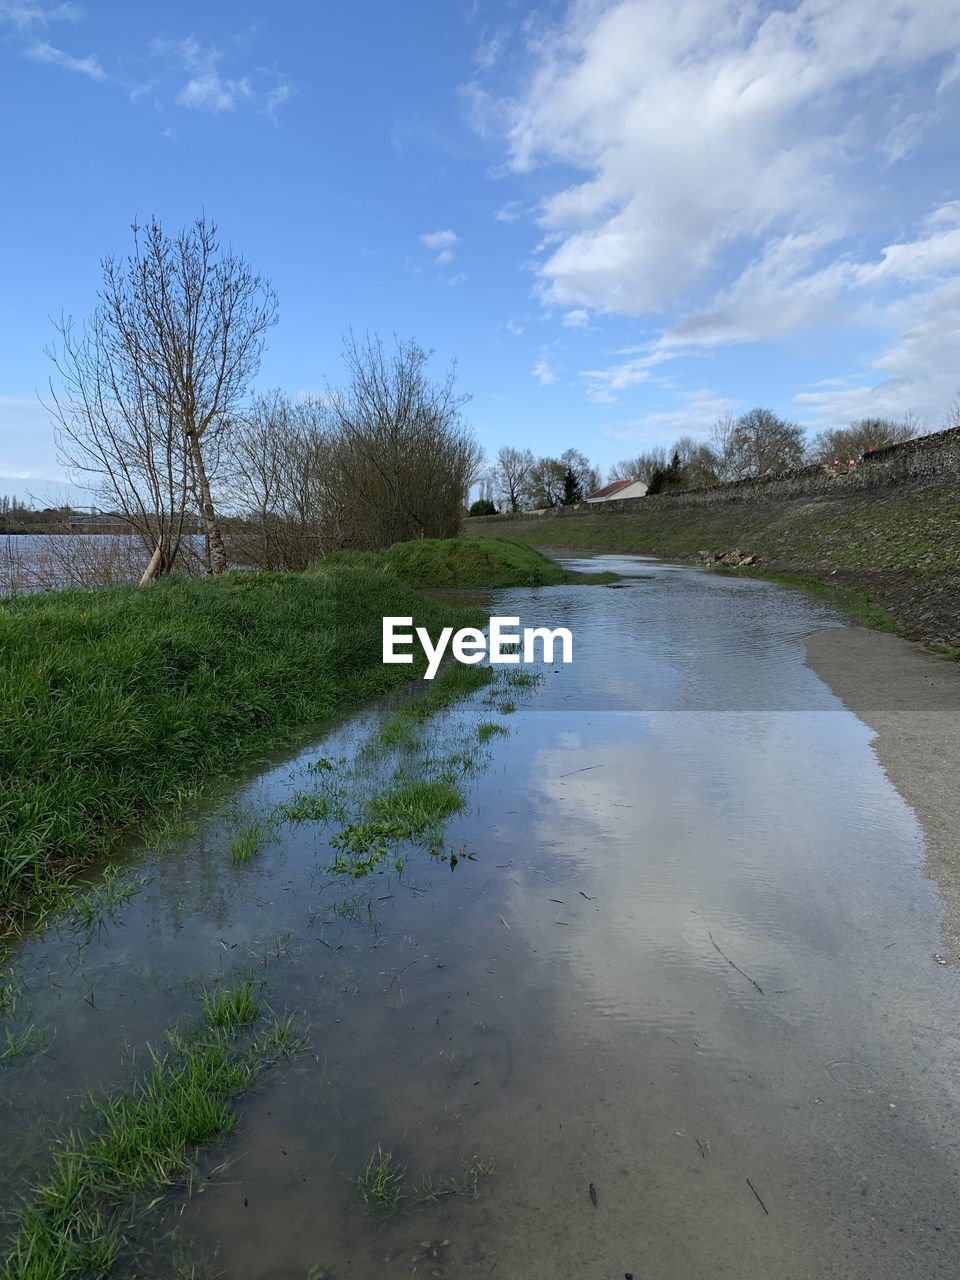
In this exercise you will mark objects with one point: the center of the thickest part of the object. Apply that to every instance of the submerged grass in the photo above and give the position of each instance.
(247, 841)
(116, 702)
(488, 729)
(401, 728)
(381, 1184)
(143, 1140)
(16, 1045)
(93, 907)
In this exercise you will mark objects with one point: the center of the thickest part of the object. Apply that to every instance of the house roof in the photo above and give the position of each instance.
(609, 490)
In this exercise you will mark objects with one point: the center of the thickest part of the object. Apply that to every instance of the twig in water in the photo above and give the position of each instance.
(752, 981)
(585, 769)
(584, 895)
(503, 922)
(759, 1201)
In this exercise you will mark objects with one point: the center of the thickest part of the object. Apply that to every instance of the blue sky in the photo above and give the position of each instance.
(622, 217)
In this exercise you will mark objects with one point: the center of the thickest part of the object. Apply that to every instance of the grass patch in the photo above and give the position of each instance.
(400, 729)
(464, 563)
(141, 1142)
(232, 1008)
(306, 806)
(16, 1045)
(92, 908)
(247, 841)
(418, 804)
(382, 1180)
(488, 729)
(114, 703)
(380, 1184)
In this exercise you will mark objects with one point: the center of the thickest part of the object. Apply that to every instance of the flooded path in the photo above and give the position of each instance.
(682, 1001)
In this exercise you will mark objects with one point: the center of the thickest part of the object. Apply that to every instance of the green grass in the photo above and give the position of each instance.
(382, 1180)
(247, 841)
(488, 729)
(93, 907)
(142, 1141)
(231, 1008)
(464, 562)
(417, 804)
(414, 808)
(306, 806)
(401, 728)
(16, 1045)
(115, 704)
(380, 1183)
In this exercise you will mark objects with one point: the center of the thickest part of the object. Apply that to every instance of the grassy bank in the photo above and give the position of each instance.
(464, 562)
(899, 547)
(114, 703)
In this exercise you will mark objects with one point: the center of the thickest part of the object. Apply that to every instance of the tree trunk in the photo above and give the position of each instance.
(153, 568)
(218, 553)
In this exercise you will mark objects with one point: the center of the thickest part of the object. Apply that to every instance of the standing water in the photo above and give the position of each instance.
(670, 1012)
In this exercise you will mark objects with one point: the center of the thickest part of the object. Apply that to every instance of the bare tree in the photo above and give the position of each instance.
(859, 438)
(119, 439)
(723, 448)
(642, 466)
(758, 443)
(511, 476)
(161, 369)
(953, 412)
(402, 457)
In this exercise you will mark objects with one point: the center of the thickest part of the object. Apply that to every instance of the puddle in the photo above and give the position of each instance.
(688, 967)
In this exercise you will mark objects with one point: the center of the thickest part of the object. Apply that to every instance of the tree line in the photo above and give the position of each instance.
(756, 443)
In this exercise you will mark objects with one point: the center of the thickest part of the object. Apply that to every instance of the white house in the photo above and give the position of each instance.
(618, 489)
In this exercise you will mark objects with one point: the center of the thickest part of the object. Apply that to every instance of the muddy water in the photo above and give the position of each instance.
(690, 967)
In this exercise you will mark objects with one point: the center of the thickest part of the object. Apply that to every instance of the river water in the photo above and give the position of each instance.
(683, 998)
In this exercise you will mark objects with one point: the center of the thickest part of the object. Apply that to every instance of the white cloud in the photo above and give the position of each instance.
(89, 66)
(441, 243)
(577, 319)
(703, 128)
(514, 327)
(694, 416)
(438, 240)
(543, 370)
(208, 88)
(22, 15)
(459, 278)
(512, 211)
(784, 291)
(275, 99)
(210, 92)
(915, 373)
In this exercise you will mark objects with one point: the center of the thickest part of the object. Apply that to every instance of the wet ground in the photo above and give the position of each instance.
(683, 998)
